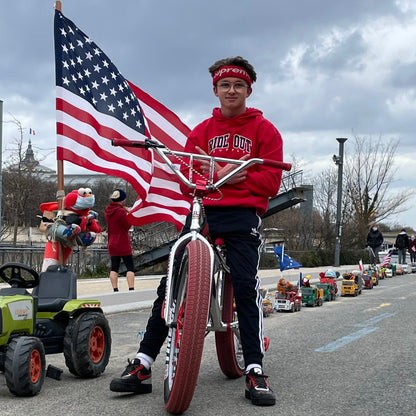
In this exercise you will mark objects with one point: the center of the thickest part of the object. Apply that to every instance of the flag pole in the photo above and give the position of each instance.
(60, 193)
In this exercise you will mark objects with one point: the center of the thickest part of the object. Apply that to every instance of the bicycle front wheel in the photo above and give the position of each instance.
(228, 344)
(190, 305)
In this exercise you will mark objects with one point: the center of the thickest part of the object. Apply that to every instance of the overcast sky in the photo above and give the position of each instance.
(325, 68)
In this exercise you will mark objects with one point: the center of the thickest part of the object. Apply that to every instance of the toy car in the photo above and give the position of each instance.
(48, 320)
(328, 291)
(368, 280)
(267, 303)
(352, 284)
(290, 301)
(312, 296)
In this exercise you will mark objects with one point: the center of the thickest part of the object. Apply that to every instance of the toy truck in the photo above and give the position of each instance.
(351, 285)
(267, 303)
(328, 290)
(312, 296)
(290, 301)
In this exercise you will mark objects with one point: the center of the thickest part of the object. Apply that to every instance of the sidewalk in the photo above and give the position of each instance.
(145, 287)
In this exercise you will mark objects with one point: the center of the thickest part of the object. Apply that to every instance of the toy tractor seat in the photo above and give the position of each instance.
(57, 286)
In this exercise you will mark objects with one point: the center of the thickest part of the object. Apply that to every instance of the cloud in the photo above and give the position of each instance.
(326, 69)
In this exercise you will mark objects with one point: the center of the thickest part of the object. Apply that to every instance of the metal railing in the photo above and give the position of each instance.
(80, 260)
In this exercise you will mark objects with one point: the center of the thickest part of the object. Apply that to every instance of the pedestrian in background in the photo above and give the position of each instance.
(119, 244)
(402, 245)
(374, 241)
(412, 249)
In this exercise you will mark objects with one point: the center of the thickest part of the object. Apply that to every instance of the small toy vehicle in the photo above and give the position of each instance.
(267, 303)
(382, 273)
(290, 301)
(399, 270)
(312, 296)
(352, 284)
(368, 280)
(329, 277)
(328, 291)
(48, 320)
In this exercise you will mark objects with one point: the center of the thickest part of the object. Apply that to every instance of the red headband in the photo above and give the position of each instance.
(231, 71)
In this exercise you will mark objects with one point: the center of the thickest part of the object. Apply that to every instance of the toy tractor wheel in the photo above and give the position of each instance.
(87, 345)
(25, 366)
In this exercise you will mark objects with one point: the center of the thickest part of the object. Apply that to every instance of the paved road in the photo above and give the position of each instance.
(353, 356)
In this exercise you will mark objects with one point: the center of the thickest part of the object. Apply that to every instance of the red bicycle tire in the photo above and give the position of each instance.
(196, 307)
(229, 354)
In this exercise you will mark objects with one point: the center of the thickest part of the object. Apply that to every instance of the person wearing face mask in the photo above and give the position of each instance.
(374, 241)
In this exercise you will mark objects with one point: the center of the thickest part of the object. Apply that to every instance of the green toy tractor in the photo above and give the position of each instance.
(41, 315)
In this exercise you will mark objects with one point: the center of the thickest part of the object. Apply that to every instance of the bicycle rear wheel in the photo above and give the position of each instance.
(190, 306)
(228, 344)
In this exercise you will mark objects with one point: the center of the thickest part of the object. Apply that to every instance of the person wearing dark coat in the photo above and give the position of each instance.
(374, 241)
(402, 245)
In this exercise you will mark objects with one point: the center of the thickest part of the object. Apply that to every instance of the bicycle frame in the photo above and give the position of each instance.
(217, 262)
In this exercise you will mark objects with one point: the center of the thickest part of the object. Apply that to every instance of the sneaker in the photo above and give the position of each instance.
(135, 379)
(258, 389)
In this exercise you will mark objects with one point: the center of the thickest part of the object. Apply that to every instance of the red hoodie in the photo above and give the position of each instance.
(118, 230)
(248, 133)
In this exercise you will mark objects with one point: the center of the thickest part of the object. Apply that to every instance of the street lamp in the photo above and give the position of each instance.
(339, 160)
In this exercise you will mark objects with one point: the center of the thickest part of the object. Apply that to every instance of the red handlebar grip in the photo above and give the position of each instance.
(276, 164)
(126, 143)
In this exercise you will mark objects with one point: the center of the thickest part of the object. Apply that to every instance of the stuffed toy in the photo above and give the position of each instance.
(284, 286)
(306, 281)
(74, 225)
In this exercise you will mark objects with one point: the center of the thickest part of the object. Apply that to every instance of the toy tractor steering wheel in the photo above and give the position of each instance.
(19, 275)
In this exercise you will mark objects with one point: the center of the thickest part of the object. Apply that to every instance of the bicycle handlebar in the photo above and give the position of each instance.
(151, 144)
(163, 152)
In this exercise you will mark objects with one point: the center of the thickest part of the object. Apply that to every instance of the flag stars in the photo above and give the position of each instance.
(87, 72)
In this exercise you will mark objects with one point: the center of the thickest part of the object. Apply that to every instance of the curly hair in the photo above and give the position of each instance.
(236, 61)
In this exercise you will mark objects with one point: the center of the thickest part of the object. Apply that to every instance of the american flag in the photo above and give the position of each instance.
(95, 104)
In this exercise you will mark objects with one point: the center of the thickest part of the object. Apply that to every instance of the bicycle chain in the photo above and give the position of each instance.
(210, 183)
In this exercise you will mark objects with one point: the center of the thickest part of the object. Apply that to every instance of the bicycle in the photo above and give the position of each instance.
(199, 294)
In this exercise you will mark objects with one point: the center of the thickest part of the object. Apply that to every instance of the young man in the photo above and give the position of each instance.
(237, 132)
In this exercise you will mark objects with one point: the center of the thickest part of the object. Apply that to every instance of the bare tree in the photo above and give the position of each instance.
(368, 176)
